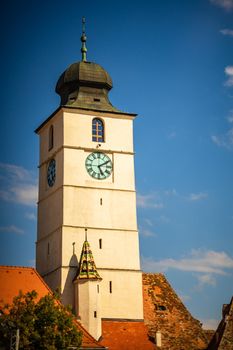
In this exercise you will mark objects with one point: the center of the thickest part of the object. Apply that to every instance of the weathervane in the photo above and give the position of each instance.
(83, 40)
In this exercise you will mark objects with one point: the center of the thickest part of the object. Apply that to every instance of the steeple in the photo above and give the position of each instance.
(85, 84)
(87, 267)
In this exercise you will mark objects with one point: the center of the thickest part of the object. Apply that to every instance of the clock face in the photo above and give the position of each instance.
(98, 165)
(51, 172)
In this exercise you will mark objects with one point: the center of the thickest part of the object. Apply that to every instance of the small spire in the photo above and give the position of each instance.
(87, 267)
(83, 40)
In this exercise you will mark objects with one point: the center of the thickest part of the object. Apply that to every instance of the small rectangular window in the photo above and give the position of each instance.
(101, 201)
(95, 314)
(51, 137)
(100, 243)
(96, 99)
(161, 307)
(98, 288)
(110, 286)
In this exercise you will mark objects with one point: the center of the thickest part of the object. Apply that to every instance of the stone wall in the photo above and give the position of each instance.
(223, 337)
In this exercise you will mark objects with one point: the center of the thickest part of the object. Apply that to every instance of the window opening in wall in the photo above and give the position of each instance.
(101, 201)
(97, 99)
(97, 130)
(98, 288)
(100, 243)
(95, 314)
(161, 307)
(51, 136)
(110, 286)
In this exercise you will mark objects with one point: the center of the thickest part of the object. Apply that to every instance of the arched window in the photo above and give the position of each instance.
(97, 130)
(51, 137)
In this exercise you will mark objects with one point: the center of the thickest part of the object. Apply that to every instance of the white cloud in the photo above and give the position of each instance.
(210, 324)
(225, 4)
(230, 117)
(15, 172)
(163, 219)
(171, 193)
(148, 201)
(229, 73)
(25, 194)
(11, 229)
(30, 216)
(217, 140)
(18, 185)
(147, 233)
(206, 279)
(228, 32)
(197, 196)
(202, 261)
(225, 140)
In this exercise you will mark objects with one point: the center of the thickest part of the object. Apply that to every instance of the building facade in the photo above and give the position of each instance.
(87, 201)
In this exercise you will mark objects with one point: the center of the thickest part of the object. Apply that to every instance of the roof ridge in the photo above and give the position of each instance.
(17, 267)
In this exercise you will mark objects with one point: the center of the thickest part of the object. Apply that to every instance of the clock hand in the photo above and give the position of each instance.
(101, 172)
(105, 162)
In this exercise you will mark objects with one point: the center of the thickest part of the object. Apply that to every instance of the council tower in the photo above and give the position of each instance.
(87, 239)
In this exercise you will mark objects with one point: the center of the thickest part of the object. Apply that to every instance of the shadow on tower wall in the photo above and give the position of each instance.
(68, 292)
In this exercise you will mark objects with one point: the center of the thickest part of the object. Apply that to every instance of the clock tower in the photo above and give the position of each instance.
(87, 240)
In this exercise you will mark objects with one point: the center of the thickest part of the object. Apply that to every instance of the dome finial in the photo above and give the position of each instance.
(83, 40)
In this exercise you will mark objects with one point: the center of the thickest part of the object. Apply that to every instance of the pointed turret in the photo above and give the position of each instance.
(87, 292)
(87, 267)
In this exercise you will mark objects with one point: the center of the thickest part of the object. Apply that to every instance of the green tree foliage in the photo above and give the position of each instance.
(45, 324)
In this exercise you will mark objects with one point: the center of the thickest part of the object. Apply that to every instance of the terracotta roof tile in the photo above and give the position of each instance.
(125, 335)
(16, 278)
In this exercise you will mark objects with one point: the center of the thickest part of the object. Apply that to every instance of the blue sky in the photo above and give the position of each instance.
(171, 62)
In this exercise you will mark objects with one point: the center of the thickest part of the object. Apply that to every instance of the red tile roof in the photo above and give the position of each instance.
(16, 278)
(125, 335)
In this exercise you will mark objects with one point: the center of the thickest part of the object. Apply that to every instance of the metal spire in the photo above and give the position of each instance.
(83, 40)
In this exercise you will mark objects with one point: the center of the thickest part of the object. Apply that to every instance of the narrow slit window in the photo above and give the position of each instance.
(51, 137)
(95, 314)
(98, 288)
(100, 243)
(101, 201)
(97, 130)
(110, 286)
